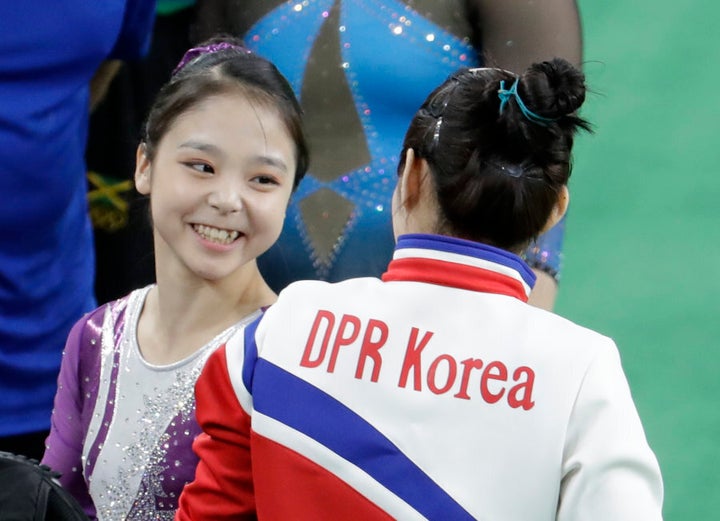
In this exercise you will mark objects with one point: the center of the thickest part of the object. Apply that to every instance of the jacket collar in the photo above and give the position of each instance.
(458, 263)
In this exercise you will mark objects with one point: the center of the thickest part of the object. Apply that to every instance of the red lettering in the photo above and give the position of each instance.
(371, 348)
(501, 375)
(342, 340)
(468, 366)
(329, 319)
(412, 359)
(527, 386)
(452, 373)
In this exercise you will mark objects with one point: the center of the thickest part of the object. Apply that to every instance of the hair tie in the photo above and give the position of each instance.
(196, 52)
(512, 92)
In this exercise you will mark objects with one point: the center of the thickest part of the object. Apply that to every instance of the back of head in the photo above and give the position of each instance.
(499, 148)
(218, 66)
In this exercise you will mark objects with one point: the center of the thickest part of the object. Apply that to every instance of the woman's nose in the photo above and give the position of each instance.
(226, 198)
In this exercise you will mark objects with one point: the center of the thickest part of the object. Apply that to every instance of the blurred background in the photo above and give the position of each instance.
(642, 239)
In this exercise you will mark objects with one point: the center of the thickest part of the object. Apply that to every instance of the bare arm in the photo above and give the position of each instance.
(516, 33)
(100, 83)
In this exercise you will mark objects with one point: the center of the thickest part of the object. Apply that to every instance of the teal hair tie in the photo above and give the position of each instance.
(512, 92)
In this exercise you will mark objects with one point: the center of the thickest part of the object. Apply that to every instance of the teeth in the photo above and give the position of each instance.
(216, 234)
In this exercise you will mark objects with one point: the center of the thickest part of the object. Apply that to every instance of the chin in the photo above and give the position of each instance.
(212, 274)
(220, 273)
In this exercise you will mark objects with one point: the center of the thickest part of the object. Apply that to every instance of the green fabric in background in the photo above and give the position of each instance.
(642, 242)
(166, 7)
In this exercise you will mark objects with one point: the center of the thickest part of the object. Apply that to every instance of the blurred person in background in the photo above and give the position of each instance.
(56, 61)
(361, 68)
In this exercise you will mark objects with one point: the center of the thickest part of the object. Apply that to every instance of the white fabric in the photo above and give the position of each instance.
(577, 453)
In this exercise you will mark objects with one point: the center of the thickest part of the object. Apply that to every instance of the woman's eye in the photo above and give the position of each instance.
(265, 180)
(201, 167)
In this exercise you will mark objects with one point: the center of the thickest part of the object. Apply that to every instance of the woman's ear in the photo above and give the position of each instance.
(410, 181)
(415, 209)
(142, 170)
(558, 211)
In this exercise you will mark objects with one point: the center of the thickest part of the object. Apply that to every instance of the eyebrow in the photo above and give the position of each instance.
(199, 145)
(272, 161)
(212, 149)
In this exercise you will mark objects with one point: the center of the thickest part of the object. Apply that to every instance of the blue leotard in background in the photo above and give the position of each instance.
(367, 65)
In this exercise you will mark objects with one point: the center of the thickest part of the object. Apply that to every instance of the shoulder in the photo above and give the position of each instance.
(117, 307)
(299, 298)
(89, 324)
(301, 304)
(85, 337)
(571, 350)
(567, 332)
(319, 290)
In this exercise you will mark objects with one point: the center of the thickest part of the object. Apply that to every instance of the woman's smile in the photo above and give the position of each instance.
(217, 235)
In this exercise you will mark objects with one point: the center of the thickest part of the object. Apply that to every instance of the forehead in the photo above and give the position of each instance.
(239, 100)
(231, 117)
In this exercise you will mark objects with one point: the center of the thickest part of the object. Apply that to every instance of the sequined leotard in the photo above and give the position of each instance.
(361, 68)
(122, 428)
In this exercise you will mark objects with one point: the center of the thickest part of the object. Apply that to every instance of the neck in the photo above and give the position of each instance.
(181, 314)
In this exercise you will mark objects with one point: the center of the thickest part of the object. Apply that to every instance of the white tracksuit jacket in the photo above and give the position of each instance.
(435, 393)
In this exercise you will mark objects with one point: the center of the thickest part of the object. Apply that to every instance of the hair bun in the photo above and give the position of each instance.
(564, 86)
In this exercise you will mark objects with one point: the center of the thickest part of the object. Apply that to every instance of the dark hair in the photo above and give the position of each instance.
(219, 65)
(497, 173)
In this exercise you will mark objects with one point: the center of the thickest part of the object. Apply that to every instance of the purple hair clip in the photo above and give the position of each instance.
(196, 52)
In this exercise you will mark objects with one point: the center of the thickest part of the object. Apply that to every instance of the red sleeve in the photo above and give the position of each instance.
(223, 487)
